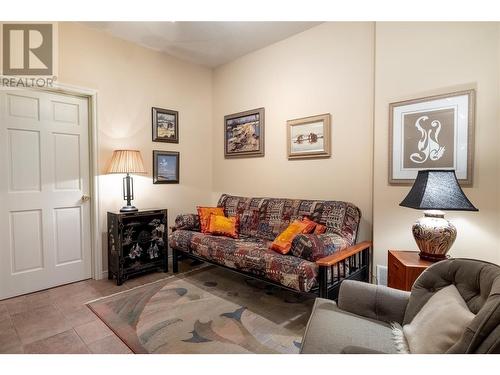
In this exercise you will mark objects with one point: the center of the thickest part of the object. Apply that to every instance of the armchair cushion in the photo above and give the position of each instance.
(478, 283)
(332, 330)
(373, 301)
(316, 246)
(439, 324)
(187, 222)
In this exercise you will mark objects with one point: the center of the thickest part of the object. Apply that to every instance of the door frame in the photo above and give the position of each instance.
(96, 240)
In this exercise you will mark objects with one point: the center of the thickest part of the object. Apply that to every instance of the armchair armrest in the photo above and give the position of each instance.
(373, 301)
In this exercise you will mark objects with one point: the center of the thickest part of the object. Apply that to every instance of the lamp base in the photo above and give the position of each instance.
(434, 235)
(129, 209)
(432, 257)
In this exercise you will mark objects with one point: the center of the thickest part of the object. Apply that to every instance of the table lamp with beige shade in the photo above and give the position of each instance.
(436, 191)
(127, 161)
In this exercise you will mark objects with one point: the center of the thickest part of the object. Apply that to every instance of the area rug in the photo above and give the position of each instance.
(208, 310)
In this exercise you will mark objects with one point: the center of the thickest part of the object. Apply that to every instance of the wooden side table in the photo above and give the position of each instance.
(403, 268)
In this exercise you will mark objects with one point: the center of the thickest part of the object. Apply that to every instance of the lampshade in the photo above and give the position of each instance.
(437, 190)
(126, 161)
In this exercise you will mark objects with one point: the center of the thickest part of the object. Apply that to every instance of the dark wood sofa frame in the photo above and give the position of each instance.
(356, 258)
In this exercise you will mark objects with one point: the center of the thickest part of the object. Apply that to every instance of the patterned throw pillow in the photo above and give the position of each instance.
(312, 247)
(224, 226)
(204, 214)
(283, 242)
(187, 222)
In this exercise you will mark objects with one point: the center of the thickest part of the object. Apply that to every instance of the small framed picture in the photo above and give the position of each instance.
(165, 167)
(309, 137)
(435, 132)
(165, 125)
(244, 134)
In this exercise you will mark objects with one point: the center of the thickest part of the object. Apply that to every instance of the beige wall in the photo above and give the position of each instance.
(328, 68)
(418, 59)
(130, 80)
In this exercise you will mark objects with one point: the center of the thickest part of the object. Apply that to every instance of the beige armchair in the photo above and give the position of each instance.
(361, 321)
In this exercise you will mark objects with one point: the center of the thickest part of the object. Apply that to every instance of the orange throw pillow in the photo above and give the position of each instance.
(311, 224)
(204, 214)
(224, 226)
(317, 229)
(283, 242)
(320, 229)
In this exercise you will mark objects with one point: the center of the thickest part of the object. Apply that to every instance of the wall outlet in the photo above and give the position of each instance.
(381, 275)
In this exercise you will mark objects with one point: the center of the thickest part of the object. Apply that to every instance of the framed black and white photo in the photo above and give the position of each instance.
(165, 167)
(309, 137)
(244, 134)
(435, 132)
(165, 124)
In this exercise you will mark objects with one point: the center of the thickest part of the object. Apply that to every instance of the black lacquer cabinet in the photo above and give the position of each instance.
(137, 243)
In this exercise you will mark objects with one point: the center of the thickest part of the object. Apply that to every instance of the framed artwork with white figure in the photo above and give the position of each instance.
(435, 132)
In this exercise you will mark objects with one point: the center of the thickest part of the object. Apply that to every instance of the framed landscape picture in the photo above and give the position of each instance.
(244, 134)
(165, 167)
(165, 125)
(309, 137)
(435, 132)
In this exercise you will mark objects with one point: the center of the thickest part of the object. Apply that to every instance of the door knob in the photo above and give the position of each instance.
(85, 198)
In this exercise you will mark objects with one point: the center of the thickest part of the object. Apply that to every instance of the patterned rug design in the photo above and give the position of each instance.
(209, 310)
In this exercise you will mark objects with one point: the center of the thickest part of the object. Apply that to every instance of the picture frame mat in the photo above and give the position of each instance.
(156, 155)
(154, 125)
(326, 119)
(464, 103)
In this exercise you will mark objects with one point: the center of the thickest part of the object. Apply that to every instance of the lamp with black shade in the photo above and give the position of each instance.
(127, 161)
(436, 191)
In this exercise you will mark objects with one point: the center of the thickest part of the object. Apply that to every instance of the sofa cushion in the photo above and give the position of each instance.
(316, 246)
(247, 208)
(266, 218)
(252, 255)
(181, 239)
(330, 330)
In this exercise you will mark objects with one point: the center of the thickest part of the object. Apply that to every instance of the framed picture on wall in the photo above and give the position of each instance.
(244, 134)
(435, 132)
(165, 167)
(165, 124)
(309, 137)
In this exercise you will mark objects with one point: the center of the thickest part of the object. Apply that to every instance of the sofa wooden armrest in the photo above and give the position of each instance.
(352, 262)
(338, 256)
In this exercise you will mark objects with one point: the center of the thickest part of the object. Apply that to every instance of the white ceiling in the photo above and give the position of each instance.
(206, 43)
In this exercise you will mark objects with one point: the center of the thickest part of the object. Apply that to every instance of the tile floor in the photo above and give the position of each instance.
(57, 321)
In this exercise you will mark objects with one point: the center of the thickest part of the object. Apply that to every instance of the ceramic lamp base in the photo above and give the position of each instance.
(434, 235)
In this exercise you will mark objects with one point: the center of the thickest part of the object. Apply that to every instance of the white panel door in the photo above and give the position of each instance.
(44, 174)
